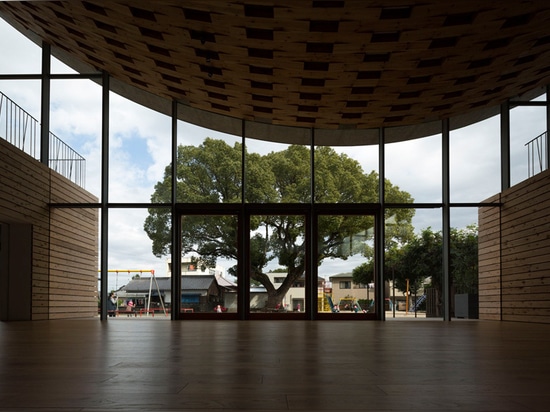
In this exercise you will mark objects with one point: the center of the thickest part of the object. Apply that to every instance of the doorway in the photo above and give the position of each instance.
(15, 271)
(278, 262)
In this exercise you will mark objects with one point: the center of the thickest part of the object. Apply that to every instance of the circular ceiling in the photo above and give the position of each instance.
(334, 66)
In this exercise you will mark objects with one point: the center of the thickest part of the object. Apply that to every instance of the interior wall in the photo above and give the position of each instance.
(489, 261)
(63, 258)
(514, 263)
(73, 253)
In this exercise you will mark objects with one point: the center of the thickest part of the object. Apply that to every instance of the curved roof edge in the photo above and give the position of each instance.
(261, 130)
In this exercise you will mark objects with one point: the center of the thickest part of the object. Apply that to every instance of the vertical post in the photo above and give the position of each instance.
(175, 221)
(446, 232)
(311, 308)
(380, 230)
(547, 140)
(407, 294)
(104, 263)
(505, 146)
(45, 105)
(243, 264)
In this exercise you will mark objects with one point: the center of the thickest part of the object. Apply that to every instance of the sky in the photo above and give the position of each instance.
(140, 143)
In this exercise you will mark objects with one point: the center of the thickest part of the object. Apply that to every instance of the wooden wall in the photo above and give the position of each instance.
(514, 260)
(489, 261)
(64, 241)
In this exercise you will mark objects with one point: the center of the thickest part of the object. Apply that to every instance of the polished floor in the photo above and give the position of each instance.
(130, 364)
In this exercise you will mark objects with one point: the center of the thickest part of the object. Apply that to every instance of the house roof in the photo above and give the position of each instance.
(188, 283)
(225, 282)
(341, 275)
(337, 67)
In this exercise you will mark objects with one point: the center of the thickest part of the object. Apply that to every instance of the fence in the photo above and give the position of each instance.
(23, 131)
(537, 158)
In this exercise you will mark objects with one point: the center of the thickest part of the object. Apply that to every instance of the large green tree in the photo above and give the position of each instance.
(211, 173)
(421, 259)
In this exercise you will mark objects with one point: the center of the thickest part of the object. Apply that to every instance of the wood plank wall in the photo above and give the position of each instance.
(524, 253)
(73, 253)
(489, 261)
(65, 252)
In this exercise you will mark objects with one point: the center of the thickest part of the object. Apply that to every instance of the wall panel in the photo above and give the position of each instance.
(64, 241)
(489, 261)
(523, 278)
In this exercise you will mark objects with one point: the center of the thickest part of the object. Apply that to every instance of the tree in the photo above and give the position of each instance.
(464, 259)
(422, 259)
(211, 173)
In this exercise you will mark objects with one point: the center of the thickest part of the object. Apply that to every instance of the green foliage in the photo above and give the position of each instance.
(364, 273)
(421, 259)
(464, 259)
(211, 173)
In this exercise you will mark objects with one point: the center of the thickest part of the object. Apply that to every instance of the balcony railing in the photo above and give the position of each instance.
(537, 154)
(23, 131)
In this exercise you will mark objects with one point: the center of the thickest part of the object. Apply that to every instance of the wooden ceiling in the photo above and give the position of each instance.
(328, 65)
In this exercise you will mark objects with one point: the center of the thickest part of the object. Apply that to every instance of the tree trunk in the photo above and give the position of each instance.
(275, 299)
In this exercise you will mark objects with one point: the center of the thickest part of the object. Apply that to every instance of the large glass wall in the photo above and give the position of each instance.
(211, 171)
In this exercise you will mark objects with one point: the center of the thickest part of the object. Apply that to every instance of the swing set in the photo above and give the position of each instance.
(151, 280)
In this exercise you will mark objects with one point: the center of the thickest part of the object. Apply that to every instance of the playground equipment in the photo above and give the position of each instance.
(151, 279)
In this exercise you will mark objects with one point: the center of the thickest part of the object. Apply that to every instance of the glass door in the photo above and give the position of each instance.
(209, 270)
(346, 271)
(278, 263)
(278, 266)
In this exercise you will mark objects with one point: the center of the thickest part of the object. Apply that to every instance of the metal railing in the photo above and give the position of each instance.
(23, 131)
(537, 158)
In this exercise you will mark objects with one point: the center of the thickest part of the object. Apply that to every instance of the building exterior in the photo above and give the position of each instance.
(202, 289)
(346, 292)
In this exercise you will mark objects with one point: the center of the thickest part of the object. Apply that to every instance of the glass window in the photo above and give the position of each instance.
(19, 54)
(415, 166)
(475, 161)
(75, 132)
(140, 146)
(345, 284)
(464, 263)
(277, 264)
(20, 115)
(138, 269)
(345, 254)
(413, 263)
(527, 142)
(209, 270)
(277, 172)
(346, 174)
(209, 166)
(58, 67)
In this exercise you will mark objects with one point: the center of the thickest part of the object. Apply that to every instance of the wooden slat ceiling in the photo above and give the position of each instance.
(316, 64)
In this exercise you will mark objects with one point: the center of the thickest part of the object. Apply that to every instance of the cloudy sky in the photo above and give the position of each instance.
(141, 140)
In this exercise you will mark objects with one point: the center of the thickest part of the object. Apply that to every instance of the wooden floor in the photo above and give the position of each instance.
(129, 364)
